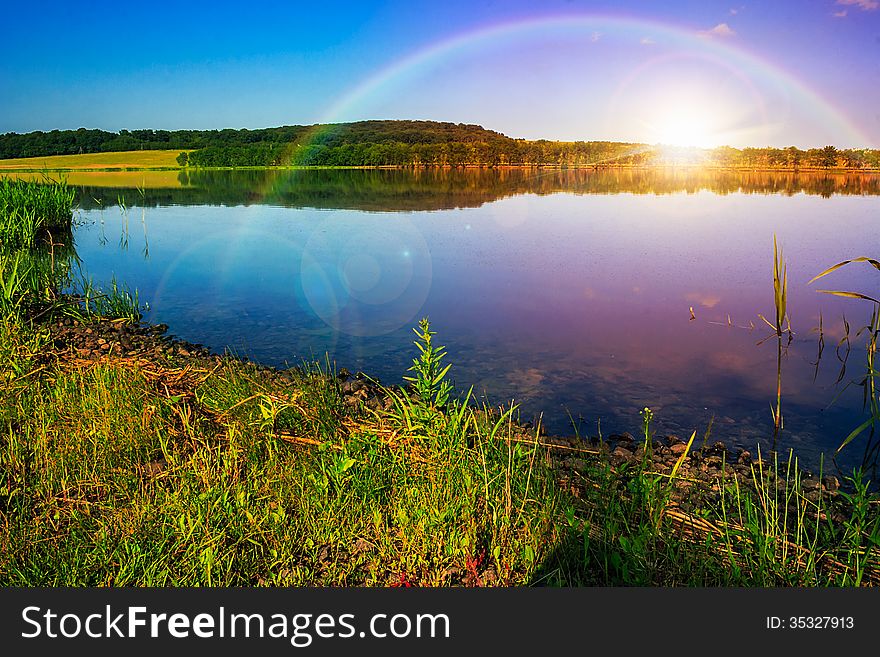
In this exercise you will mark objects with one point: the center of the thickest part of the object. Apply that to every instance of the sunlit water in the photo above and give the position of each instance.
(567, 292)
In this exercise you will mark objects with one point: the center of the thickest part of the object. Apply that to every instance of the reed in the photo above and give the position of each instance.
(117, 300)
(31, 211)
(781, 326)
(871, 393)
(30, 278)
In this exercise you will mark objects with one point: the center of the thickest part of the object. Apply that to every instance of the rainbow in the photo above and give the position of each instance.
(747, 66)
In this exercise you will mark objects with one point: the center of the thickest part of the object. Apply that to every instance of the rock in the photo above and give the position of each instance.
(622, 453)
(745, 457)
(830, 483)
(810, 483)
(678, 448)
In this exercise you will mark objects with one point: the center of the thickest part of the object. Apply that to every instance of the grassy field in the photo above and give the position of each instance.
(116, 160)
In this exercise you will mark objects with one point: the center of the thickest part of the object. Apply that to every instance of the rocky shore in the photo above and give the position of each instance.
(704, 468)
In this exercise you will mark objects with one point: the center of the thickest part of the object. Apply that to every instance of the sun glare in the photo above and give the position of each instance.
(685, 124)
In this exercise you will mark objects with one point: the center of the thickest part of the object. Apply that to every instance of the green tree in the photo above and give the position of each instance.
(829, 156)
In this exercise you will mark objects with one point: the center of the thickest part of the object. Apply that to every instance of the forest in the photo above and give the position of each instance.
(412, 143)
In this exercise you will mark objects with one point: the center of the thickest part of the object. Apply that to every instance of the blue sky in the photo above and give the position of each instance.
(776, 72)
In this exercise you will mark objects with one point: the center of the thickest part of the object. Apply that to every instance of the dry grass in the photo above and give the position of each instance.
(86, 161)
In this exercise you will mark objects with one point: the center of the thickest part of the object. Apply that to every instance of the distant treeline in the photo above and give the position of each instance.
(240, 142)
(411, 143)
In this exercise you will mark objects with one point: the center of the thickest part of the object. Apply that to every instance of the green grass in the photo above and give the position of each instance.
(256, 486)
(31, 212)
(166, 159)
(38, 258)
(117, 301)
(125, 472)
(30, 272)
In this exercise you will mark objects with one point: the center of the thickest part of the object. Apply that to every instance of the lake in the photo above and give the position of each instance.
(567, 291)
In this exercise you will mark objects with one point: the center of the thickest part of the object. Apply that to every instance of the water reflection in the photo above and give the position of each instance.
(410, 190)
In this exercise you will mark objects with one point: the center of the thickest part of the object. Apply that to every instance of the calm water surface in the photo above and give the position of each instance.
(569, 292)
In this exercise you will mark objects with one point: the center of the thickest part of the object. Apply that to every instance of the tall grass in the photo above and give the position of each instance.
(30, 278)
(31, 211)
(869, 384)
(36, 244)
(781, 326)
(116, 300)
(37, 256)
(120, 475)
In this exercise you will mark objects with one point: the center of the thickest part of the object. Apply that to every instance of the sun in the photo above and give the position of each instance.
(687, 123)
(682, 103)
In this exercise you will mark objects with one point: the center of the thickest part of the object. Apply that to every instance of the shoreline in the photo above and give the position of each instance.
(706, 463)
(372, 483)
(390, 167)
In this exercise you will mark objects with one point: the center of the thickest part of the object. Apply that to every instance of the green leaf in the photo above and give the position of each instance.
(855, 432)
